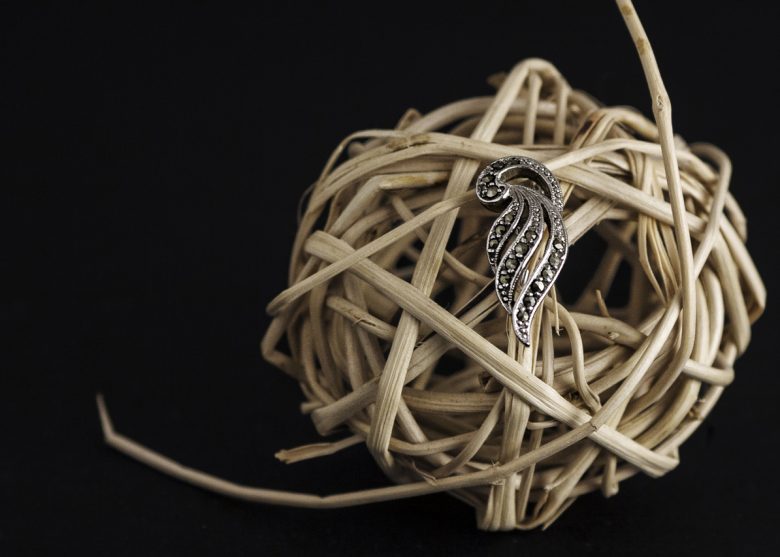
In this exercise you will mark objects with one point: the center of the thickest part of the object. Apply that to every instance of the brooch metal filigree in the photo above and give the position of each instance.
(527, 244)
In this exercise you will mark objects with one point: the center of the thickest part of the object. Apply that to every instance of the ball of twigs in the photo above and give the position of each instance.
(388, 328)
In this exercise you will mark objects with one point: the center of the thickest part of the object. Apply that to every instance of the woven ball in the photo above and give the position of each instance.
(397, 343)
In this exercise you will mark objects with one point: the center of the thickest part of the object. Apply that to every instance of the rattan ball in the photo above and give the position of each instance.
(397, 344)
(392, 328)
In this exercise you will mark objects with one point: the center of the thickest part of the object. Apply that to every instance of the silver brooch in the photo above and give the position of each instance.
(527, 244)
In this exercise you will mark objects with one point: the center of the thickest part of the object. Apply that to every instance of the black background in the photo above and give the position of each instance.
(153, 165)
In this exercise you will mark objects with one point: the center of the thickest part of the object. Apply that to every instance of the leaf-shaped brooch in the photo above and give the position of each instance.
(527, 244)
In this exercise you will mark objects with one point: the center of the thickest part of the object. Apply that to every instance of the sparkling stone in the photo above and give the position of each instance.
(539, 285)
(511, 263)
(529, 300)
(491, 191)
(521, 248)
(493, 243)
(524, 316)
(500, 229)
(503, 279)
(548, 273)
(555, 260)
(558, 246)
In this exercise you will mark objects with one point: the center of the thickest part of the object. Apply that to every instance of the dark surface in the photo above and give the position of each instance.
(155, 164)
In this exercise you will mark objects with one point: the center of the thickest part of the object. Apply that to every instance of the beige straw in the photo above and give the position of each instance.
(388, 277)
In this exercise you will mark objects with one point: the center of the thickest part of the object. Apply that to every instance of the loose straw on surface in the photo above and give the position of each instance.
(388, 276)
